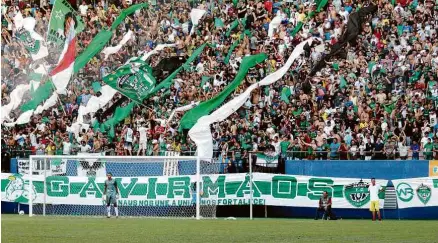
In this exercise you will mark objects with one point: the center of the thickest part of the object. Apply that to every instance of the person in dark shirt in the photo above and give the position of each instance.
(325, 206)
(378, 150)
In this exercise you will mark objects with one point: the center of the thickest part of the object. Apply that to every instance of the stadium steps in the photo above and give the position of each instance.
(390, 198)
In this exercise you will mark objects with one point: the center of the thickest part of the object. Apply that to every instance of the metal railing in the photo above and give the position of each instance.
(288, 155)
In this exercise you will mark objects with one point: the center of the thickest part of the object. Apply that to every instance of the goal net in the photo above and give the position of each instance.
(164, 186)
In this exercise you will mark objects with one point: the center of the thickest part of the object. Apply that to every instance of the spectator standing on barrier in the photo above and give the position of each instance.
(325, 206)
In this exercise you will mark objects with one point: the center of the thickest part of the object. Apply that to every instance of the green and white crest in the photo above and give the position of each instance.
(424, 193)
(17, 189)
(31, 45)
(404, 192)
(357, 193)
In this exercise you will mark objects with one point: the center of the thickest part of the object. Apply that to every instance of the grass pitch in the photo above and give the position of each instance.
(21, 229)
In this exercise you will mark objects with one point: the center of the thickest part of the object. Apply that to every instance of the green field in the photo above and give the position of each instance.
(95, 230)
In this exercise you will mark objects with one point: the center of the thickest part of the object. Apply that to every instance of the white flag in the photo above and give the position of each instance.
(32, 41)
(114, 49)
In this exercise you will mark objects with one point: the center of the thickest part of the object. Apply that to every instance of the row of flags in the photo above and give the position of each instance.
(63, 27)
(134, 79)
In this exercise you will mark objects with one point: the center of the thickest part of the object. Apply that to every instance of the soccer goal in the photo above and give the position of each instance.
(161, 186)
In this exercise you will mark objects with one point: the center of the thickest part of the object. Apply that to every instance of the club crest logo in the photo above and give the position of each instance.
(357, 193)
(18, 189)
(424, 193)
(405, 192)
(33, 46)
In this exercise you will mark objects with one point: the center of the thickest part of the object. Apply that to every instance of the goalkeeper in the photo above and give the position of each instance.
(111, 194)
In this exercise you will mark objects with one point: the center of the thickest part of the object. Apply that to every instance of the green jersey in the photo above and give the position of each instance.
(111, 187)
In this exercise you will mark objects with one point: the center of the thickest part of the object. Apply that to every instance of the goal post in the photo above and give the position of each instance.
(149, 186)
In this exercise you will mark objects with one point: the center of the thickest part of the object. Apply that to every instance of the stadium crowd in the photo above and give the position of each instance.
(378, 103)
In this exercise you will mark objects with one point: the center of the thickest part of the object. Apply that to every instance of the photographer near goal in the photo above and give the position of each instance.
(110, 195)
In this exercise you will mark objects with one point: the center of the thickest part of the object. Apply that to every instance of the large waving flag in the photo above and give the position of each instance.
(134, 80)
(62, 72)
(200, 132)
(61, 12)
(191, 117)
(104, 36)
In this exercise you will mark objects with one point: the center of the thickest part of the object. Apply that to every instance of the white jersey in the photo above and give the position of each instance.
(143, 134)
(374, 192)
(129, 133)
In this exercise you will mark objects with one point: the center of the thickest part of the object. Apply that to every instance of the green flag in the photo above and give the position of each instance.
(191, 117)
(96, 87)
(218, 23)
(96, 45)
(35, 76)
(230, 51)
(285, 93)
(399, 29)
(119, 115)
(390, 107)
(296, 29)
(168, 81)
(371, 66)
(204, 80)
(235, 2)
(126, 12)
(232, 27)
(60, 11)
(133, 80)
(342, 83)
(235, 44)
(321, 4)
(43, 92)
(104, 36)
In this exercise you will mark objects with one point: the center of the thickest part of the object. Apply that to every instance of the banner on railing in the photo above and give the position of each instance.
(228, 189)
(91, 167)
(417, 192)
(51, 167)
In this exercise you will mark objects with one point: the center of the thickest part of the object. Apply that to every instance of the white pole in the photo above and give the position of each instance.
(198, 178)
(44, 186)
(30, 184)
(250, 186)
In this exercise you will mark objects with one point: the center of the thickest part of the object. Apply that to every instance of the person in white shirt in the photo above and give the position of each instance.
(128, 140)
(66, 146)
(83, 8)
(143, 139)
(374, 190)
(85, 148)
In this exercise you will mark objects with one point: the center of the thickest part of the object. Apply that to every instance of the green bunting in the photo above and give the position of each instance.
(43, 92)
(119, 115)
(191, 117)
(104, 36)
(169, 80)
